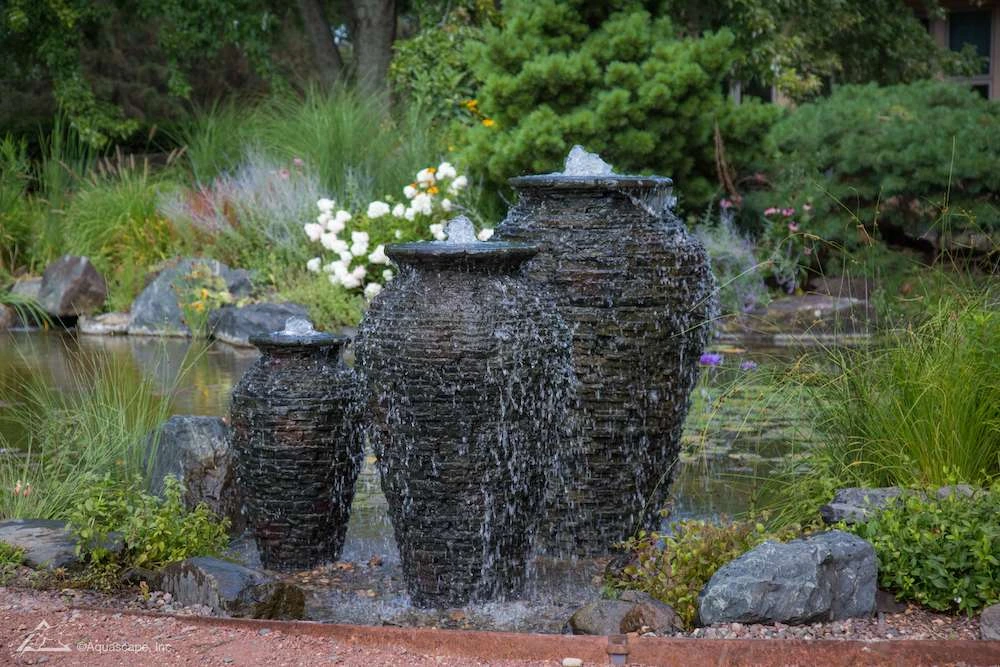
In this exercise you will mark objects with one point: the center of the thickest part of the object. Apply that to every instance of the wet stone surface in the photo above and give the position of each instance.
(635, 288)
(468, 382)
(296, 450)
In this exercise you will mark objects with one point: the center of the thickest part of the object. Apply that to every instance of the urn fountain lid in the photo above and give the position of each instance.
(587, 171)
(298, 333)
(462, 250)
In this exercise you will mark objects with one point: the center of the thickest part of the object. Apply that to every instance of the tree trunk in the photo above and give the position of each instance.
(325, 51)
(374, 32)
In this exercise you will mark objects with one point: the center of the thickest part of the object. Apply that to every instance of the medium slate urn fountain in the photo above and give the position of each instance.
(468, 380)
(638, 291)
(296, 446)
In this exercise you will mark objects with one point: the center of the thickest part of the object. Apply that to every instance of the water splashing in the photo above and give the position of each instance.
(461, 230)
(298, 326)
(579, 162)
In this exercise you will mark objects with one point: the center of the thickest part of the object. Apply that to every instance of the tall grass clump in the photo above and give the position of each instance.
(920, 407)
(94, 425)
(17, 211)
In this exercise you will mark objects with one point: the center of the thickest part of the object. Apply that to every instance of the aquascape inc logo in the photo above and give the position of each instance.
(38, 641)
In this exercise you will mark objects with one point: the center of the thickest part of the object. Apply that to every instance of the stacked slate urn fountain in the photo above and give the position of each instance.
(638, 292)
(296, 448)
(467, 373)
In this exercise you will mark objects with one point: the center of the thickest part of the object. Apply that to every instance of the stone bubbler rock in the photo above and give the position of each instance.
(467, 379)
(296, 447)
(637, 291)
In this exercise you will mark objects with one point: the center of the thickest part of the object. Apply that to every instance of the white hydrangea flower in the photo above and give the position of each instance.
(346, 256)
(359, 272)
(329, 241)
(398, 210)
(313, 231)
(410, 192)
(377, 209)
(350, 282)
(425, 177)
(410, 214)
(458, 184)
(378, 256)
(337, 245)
(387, 275)
(324, 218)
(340, 270)
(359, 243)
(334, 280)
(326, 205)
(485, 234)
(446, 170)
(330, 268)
(423, 203)
(437, 231)
(446, 204)
(314, 264)
(359, 237)
(372, 290)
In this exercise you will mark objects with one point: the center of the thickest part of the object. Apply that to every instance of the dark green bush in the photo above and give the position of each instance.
(616, 79)
(916, 158)
(943, 553)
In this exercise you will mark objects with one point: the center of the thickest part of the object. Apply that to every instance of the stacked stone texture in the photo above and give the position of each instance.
(638, 291)
(468, 380)
(296, 448)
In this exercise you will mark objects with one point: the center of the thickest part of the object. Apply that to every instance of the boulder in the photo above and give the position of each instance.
(634, 611)
(105, 324)
(856, 505)
(46, 543)
(236, 324)
(824, 577)
(71, 286)
(989, 623)
(29, 288)
(157, 310)
(231, 589)
(196, 451)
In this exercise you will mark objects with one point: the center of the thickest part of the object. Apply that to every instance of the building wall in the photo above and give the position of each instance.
(989, 81)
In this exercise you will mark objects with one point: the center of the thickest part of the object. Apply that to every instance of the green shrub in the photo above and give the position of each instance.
(617, 80)
(17, 214)
(330, 308)
(919, 407)
(941, 552)
(155, 531)
(10, 555)
(675, 566)
(918, 158)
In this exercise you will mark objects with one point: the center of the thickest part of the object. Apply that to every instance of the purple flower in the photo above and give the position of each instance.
(710, 359)
(788, 212)
(770, 211)
(725, 203)
(747, 365)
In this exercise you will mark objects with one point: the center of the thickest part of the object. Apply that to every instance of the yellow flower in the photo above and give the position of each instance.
(432, 169)
(489, 122)
(198, 306)
(432, 190)
(471, 104)
(204, 293)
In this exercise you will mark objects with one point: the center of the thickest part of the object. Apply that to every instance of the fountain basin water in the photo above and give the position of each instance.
(296, 447)
(467, 379)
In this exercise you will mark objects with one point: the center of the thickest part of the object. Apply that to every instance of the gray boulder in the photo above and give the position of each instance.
(8, 317)
(196, 451)
(28, 287)
(71, 286)
(105, 324)
(47, 543)
(236, 324)
(231, 589)
(157, 310)
(825, 577)
(989, 623)
(632, 612)
(856, 505)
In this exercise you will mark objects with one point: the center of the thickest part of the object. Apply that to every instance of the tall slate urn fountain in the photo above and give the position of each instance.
(296, 447)
(467, 374)
(637, 290)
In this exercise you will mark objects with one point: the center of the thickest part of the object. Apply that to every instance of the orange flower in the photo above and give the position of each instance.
(432, 190)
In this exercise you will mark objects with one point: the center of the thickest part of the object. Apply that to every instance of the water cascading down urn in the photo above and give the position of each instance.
(638, 292)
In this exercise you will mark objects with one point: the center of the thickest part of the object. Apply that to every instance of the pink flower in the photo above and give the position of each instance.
(725, 203)
(807, 207)
(792, 227)
(284, 174)
(298, 162)
(788, 212)
(770, 211)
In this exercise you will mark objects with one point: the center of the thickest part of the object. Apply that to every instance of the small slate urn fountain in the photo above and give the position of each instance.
(467, 379)
(638, 291)
(296, 449)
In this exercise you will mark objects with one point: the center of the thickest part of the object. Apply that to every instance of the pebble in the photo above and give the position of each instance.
(572, 662)
(263, 632)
